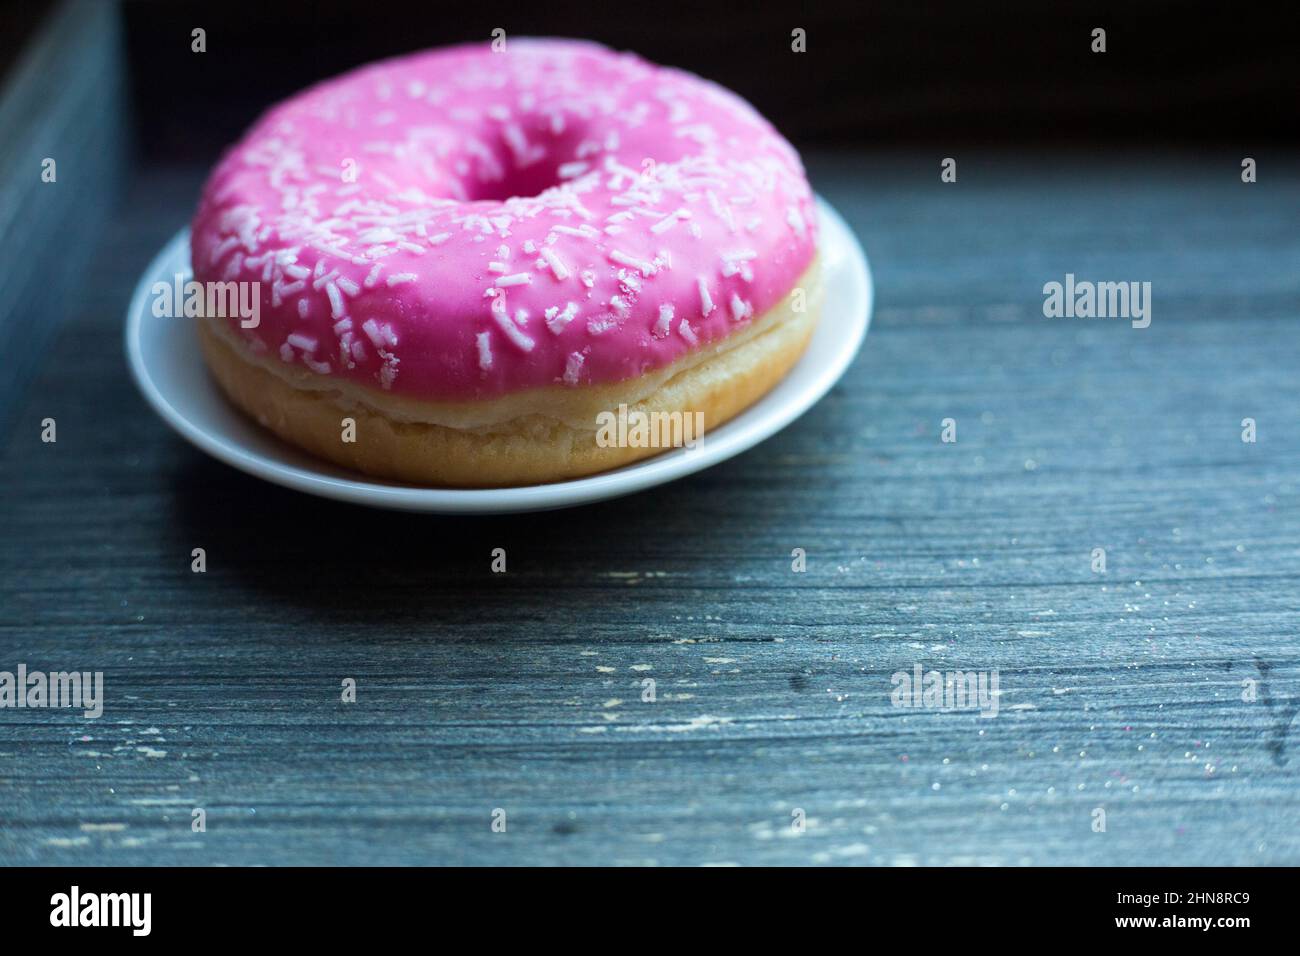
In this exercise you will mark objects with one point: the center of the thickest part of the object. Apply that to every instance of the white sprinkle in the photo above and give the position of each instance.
(737, 263)
(588, 278)
(664, 325)
(557, 320)
(221, 248)
(729, 269)
(373, 276)
(389, 371)
(336, 300)
(623, 259)
(296, 272)
(687, 332)
(569, 170)
(342, 325)
(512, 331)
(286, 352)
(721, 211)
(739, 307)
(234, 265)
(348, 286)
(484, 351)
(706, 300)
(573, 367)
(378, 234)
(795, 219)
(398, 278)
(584, 230)
(497, 267)
(303, 307)
(371, 328)
(519, 278)
(557, 266)
(439, 239)
(666, 223)
(530, 247)
(518, 143)
(300, 341)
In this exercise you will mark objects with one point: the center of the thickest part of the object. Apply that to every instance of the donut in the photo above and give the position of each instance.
(468, 259)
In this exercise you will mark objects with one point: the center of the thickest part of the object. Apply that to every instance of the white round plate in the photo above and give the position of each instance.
(168, 366)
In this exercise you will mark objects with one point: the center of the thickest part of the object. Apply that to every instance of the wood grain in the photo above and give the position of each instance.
(61, 102)
(522, 691)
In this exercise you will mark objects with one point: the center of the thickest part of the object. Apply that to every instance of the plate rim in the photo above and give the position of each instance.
(629, 479)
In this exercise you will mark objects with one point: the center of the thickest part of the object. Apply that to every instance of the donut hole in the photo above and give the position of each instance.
(527, 159)
(530, 181)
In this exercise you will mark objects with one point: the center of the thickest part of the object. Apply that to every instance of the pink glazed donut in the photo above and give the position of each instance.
(469, 260)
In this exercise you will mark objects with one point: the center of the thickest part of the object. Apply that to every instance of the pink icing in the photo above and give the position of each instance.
(463, 223)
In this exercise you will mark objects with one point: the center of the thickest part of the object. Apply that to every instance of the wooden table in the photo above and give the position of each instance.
(1121, 691)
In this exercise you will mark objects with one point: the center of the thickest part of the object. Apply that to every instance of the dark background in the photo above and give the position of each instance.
(922, 72)
(940, 71)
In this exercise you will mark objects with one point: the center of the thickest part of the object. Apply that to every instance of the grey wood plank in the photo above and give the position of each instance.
(522, 691)
(63, 101)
